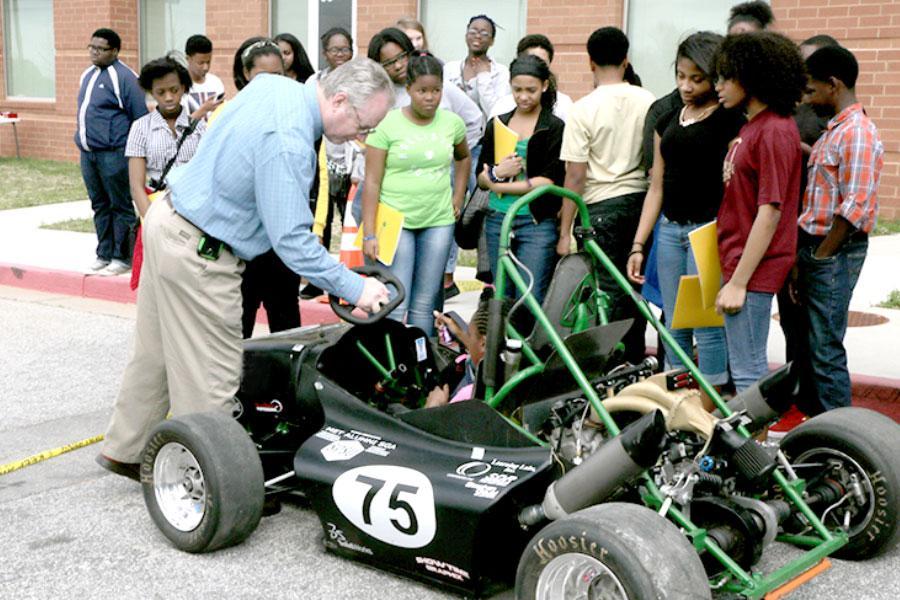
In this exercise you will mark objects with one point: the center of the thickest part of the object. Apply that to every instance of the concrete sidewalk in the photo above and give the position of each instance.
(57, 261)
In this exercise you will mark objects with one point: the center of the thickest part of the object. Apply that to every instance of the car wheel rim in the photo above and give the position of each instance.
(848, 472)
(578, 577)
(179, 486)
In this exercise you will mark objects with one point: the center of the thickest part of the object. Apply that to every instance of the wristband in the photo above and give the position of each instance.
(493, 176)
(633, 252)
(369, 238)
(633, 244)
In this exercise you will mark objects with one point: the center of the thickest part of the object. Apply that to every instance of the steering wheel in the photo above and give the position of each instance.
(382, 274)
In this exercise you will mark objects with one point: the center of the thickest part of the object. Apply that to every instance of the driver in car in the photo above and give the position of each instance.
(461, 373)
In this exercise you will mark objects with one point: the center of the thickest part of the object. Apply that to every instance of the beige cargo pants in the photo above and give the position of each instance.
(187, 343)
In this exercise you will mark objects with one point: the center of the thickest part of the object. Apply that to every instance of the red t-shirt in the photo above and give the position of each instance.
(762, 167)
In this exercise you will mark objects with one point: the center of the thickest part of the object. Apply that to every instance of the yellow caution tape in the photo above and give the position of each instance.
(47, 454)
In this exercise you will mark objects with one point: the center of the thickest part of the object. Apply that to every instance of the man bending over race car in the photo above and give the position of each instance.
(245, 191)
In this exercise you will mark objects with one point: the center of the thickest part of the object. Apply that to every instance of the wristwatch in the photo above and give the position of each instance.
(493, 176)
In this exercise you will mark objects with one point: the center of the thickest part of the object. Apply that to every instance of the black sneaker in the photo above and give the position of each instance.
(450, 291)
(311, 291)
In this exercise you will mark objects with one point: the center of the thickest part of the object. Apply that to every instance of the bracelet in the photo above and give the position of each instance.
(369, 238)
(493, 176)
(633, 252)
(633, 244)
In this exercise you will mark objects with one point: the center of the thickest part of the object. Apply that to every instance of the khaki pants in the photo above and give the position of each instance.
(187, 344)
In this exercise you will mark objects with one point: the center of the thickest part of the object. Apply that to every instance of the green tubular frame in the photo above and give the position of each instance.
(741, 582)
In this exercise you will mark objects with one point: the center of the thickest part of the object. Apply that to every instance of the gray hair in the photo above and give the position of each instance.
(360, 79)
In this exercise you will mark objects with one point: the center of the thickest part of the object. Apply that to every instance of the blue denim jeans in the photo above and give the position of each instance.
(747, 334)
(826, 286)
(105, 174)
(534, 244)
(675, 258)
(419, 265)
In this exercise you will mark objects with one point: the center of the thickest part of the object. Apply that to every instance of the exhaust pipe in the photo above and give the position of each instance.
(617, 461)
(767, 399)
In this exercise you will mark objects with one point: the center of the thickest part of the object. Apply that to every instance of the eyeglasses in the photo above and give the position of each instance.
(363, 130)
(339, 51)
(98, 49)
(392, 61)
(479, 32)
(259, 44)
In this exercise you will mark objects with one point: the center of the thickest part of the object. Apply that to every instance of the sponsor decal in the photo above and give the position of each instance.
(392, 504)
(346, 445)
(445, 569)
(341, 540)
(342, 450)
(482, 491)
(499, 479)
(421, 349)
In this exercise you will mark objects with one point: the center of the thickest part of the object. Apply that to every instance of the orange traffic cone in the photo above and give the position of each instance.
(351, 256)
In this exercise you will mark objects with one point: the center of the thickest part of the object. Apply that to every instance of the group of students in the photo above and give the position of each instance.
(724, 145)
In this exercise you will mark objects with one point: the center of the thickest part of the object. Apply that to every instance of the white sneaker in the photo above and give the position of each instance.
(116, 267)
(99, 264)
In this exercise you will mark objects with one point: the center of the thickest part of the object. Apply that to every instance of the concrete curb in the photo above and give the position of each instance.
(118, 289)
(868, 388)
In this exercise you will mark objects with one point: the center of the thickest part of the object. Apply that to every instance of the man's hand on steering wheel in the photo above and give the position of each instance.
(374, 295)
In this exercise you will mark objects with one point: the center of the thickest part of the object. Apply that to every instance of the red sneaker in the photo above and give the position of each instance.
(789, 420)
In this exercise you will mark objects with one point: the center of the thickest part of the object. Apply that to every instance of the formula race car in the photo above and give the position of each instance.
(571, 475)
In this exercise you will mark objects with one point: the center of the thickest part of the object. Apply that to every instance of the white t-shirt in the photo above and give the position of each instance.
(211, 87)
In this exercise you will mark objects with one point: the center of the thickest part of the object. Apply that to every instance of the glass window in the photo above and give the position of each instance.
(656, 27)
(309, 20)
(30, 66)
(167, 24)
(445, 25)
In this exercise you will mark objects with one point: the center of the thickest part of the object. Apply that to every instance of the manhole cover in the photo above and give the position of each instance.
(864, 319)
(856, 318)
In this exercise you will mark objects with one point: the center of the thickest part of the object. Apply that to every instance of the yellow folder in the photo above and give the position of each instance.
(689, 310)
(705, 245)
(388, 225)
(505, 140)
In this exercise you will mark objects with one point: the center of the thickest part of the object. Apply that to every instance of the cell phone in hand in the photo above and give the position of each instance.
(447, 334)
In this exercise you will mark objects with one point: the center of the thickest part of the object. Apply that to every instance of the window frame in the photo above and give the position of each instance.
(7, 56)
(313, 47)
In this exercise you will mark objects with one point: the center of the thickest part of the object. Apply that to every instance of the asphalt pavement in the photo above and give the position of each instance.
(71, 530)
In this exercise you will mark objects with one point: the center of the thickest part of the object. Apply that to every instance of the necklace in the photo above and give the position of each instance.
(703, 114)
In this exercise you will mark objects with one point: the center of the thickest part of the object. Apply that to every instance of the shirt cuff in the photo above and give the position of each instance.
(857, 215)
(351, 286)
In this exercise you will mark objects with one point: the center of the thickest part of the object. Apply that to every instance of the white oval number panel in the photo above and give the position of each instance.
(392, 504)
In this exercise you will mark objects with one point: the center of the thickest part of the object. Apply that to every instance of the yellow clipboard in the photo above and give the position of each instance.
(388, 225)
(689, 310)
(705, 246)
(505, 140)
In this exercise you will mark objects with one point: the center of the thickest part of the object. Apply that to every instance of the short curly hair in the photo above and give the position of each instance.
(767, 65)
(159, 68)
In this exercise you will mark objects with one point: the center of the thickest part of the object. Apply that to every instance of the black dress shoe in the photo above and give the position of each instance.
(129, 470)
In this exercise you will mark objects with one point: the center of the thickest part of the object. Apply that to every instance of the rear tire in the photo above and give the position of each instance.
(853, 443)
(611, 551)
(203, 482)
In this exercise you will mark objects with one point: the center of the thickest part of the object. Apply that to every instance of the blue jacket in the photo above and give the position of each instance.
(109, 100)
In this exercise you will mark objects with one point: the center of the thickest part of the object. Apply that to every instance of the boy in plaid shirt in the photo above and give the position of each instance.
(839, 209)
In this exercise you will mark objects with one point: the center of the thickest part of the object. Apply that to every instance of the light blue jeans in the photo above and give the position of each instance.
(419, 265)
(674, 258)
(747, 334)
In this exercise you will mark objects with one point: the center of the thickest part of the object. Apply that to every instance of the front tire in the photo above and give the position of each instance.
(854, 452)
(203, 482)
(611, 551)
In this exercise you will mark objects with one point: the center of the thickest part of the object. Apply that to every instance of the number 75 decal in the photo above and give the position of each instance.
(392, 504)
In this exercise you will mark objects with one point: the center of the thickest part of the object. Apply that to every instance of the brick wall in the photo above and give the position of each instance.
(871, 30)
(47, 127)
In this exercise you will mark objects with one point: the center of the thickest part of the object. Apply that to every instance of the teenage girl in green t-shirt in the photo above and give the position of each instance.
(408, 168)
